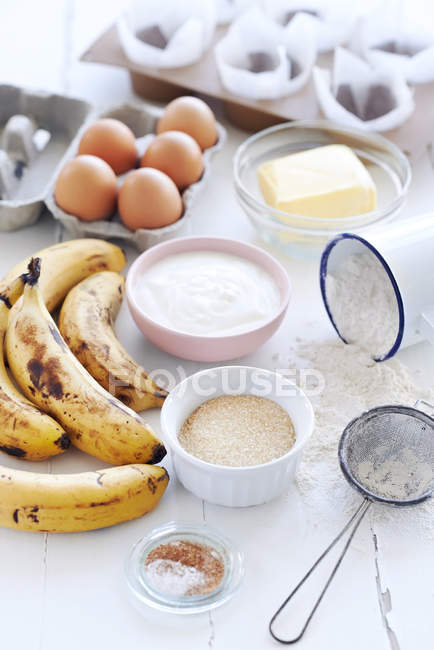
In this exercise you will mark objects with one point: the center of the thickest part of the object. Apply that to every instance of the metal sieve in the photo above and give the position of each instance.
(387, 454)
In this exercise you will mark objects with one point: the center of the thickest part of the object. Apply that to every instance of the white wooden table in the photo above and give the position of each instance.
(67, 591)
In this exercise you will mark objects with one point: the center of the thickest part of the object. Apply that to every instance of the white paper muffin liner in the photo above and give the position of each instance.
(188, 27)
(254, 32)
(399, 25)
(228, 10)
(333, 24)
(359, 75)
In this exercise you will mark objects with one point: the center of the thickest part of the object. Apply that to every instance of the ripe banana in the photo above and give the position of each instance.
(51, 377)
(65, 264)
(60, 503)
(25, 432)
(86, 323)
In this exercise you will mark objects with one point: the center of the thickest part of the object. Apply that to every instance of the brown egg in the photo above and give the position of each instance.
(148, 198)
(112, 141)
(87, 187)
(176, 154)
(193, 116)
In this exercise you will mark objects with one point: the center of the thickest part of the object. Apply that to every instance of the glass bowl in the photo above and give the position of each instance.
(144, 594)
(307, 236)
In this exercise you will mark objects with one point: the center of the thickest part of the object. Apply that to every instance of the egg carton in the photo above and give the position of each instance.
(36, 132)
(142, 120)
(40, 132)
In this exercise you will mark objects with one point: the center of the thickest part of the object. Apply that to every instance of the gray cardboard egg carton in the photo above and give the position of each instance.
(142, 120)
(40, 132)
(36, 131)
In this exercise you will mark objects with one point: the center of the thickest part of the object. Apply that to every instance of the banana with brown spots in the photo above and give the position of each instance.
(50, 376)
(86, 324)
(63, 503)
(25, 431)
(66, 264)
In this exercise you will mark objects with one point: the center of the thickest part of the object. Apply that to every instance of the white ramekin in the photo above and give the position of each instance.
(235, 486)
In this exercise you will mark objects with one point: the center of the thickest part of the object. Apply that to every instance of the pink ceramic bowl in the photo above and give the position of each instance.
(206, 348)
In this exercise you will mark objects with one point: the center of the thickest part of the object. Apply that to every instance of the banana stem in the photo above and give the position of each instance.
(14, 291)
(34, 271)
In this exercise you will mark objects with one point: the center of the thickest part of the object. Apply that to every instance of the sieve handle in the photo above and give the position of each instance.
(355, 521)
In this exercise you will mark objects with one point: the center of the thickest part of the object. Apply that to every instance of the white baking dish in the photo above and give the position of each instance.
(235, 486)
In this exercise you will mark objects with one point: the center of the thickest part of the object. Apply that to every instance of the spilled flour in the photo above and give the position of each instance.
(353, 383)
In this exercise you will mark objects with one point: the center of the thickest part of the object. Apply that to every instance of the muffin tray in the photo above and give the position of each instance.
(202, 77)
(249, 114)
(29, 165)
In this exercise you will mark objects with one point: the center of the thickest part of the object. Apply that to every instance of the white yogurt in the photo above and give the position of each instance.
(208, 293)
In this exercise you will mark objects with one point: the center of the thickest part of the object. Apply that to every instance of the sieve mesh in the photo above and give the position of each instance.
(388, 454)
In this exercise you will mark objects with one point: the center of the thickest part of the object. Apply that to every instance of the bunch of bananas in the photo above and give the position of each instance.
(64, 374)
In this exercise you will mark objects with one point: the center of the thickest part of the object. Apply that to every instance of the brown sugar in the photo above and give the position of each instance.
(238, 431)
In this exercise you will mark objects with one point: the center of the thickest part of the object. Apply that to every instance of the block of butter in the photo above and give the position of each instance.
(326, 182)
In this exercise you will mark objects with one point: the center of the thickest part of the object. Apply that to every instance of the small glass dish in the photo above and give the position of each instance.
(146, 596)
(306, 236)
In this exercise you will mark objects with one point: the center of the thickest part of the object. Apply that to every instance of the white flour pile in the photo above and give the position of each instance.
(363, 304)
(353, 383)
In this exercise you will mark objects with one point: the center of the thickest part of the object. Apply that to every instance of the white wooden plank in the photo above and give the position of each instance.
(83, 589)
(16, 245)
(32, 36)
(280, 545)
(23, 578)
(99, 84)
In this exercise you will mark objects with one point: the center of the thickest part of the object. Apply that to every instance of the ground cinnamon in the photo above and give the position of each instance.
(184, 568)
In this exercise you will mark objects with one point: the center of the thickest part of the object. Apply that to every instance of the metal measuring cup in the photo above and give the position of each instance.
(405, 251)
(387, 454)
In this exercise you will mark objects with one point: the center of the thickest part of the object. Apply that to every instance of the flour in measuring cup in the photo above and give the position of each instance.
(363, 304)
